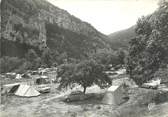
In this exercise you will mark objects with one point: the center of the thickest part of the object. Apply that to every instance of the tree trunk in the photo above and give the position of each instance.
(84, 89)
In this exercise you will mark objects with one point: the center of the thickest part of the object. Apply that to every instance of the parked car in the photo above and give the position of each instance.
(10, 75)
(34, 73)
(43, 88)
(111, 73)
(76, 96)
(153, 84)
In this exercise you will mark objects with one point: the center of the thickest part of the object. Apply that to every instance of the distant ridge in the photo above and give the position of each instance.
(120, 39)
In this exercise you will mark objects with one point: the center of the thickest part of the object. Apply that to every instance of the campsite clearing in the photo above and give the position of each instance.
(51, 105)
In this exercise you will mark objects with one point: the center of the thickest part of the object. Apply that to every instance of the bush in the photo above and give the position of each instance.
(162, 73)
(20, 65)
(106, 57)
(161, 97)
(33, 61)
(8, 64)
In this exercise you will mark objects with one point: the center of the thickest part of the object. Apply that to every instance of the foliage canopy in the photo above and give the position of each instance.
(149, 49)
(86, 73)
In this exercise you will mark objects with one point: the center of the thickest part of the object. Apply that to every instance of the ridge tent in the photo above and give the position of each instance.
(114, 95)
(26, 91)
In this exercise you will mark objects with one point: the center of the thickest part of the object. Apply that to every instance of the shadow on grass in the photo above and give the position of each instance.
(93, 99)
(161, 97)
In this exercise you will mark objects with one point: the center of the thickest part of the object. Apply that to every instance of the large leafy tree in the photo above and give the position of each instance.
(121, 55)
(47, 57)
(86, 73)
(33, 61)
(149, 49)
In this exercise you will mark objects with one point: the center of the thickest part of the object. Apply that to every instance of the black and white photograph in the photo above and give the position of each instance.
(84, 58)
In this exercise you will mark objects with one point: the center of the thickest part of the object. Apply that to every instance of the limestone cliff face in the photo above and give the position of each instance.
(18, 26)
(25, 21)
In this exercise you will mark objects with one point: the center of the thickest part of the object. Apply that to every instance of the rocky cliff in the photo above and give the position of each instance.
(40, 24)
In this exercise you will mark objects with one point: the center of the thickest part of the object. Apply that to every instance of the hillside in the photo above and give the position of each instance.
(121, 38)
(38, 24)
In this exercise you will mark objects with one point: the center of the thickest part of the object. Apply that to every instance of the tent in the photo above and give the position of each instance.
(20, 90)
(114, 95)
(26, 91)
(18, 76)
(11, 88)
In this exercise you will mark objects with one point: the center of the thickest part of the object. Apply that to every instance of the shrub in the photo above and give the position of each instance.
(8, 64)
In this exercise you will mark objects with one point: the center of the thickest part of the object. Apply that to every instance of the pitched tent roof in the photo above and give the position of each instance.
(114, 95)
(26, 91)
(10, 85)
(112, 88)
(11, 88)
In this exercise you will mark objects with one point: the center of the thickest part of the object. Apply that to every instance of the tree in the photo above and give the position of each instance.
(33, 61)
(8, 64)
(85, 73)
(162, 73)
(62, 58)
(106, 57)
(148, 51)
(121, 56)
(47, 58)
(31, 55)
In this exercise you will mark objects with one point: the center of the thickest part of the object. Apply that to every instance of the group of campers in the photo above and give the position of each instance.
(114, 95)
(42, 83)
(38, 82)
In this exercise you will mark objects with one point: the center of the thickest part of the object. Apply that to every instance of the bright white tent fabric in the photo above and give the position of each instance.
(26, 91)
(112, 88)
(18, 76)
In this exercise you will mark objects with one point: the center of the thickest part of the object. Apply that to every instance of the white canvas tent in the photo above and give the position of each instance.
(114, 95)
(26, 91)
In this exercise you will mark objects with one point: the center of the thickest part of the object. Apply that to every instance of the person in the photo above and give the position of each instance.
(4, 96)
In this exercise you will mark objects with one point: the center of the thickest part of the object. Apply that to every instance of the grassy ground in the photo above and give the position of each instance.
(52, 106)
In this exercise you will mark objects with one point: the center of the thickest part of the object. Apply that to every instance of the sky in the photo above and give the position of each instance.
(108, 16)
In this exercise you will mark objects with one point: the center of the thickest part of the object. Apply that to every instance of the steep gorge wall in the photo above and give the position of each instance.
(25, 21)
(16, 26)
